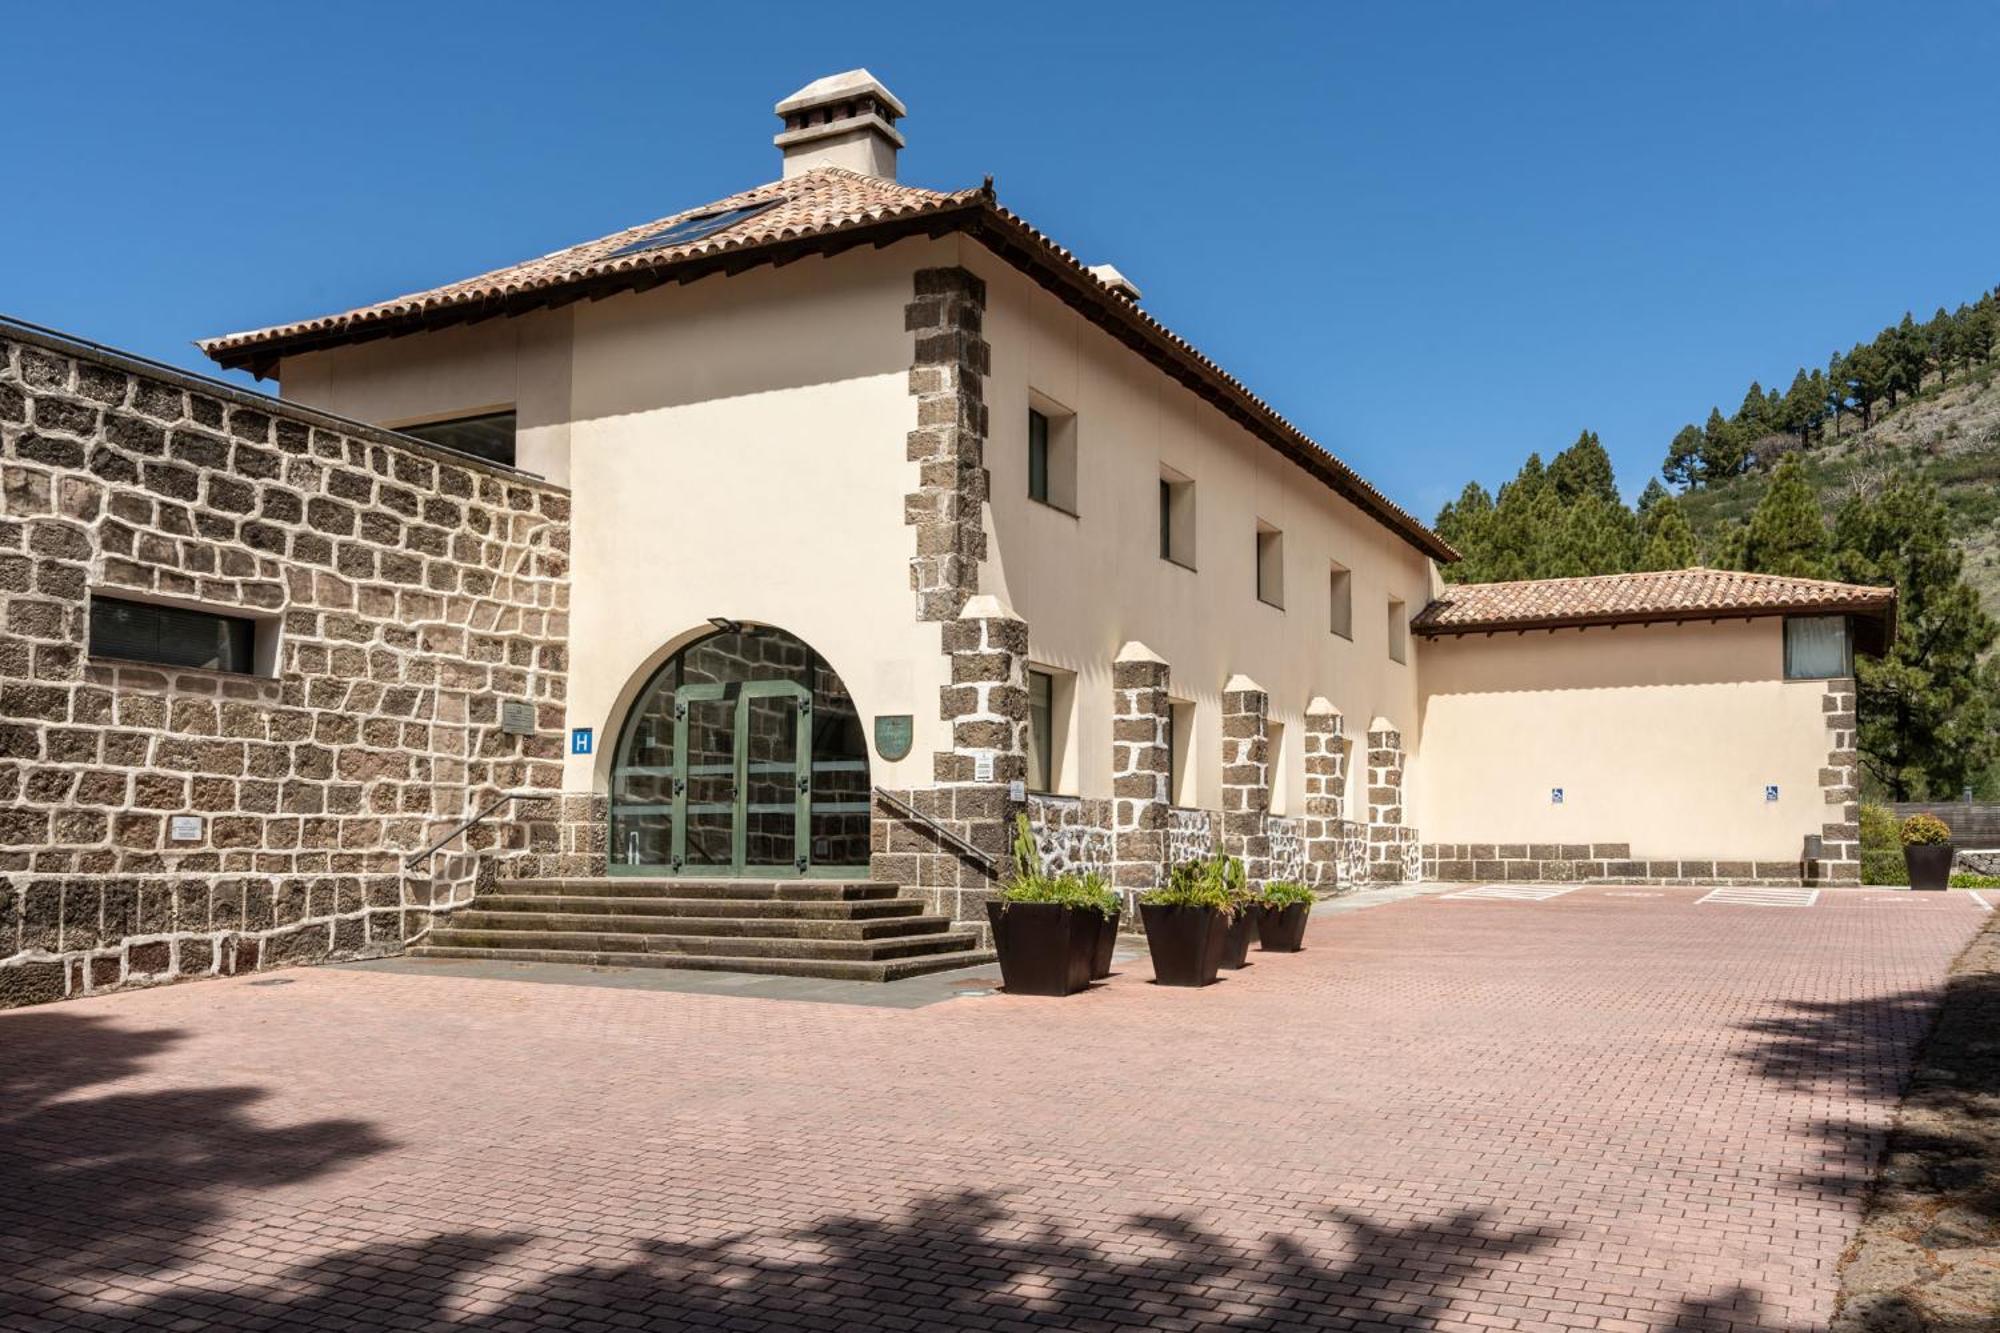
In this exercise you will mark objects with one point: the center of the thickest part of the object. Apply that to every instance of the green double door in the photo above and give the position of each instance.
(742, 780)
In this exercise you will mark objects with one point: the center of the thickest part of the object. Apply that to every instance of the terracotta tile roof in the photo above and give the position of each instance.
(824, 210)
(819, 201)
(1613, 599)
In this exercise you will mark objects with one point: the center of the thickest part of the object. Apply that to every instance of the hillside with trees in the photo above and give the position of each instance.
(1884, 467)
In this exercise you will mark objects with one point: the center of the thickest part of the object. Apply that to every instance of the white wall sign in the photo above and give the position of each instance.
(982, 768)
(1555, 796)
(1017, 790)
(184, 828)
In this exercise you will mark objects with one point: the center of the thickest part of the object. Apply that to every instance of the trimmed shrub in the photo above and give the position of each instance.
(1878, 829)
(1925, 831)
(1884, 866)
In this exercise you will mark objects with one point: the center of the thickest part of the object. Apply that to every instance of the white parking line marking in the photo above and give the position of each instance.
(1513, 893)
(1981, 901)
(1614, 893)
(1761, 897)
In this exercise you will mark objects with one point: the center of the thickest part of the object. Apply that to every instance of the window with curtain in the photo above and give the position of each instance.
(1817, 648)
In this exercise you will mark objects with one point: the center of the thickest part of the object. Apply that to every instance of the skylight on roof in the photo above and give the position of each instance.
(695, 229)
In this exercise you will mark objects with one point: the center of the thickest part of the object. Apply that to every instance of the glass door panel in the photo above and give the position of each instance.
(707, 792)
(772, 724)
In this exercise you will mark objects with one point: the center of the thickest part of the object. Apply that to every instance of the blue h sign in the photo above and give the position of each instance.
(579, 740)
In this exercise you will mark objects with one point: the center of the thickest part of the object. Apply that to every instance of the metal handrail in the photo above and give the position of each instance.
(944, 835)
(410, 863)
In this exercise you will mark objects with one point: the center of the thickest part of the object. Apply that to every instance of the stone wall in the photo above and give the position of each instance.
(1073, 834)
(402, 593)
(1839, 860)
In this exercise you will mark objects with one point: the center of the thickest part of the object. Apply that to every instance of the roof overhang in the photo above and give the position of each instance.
(973, 213)
(1874, 620)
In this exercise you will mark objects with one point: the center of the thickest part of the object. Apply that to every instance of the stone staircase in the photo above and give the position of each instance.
(848, 930)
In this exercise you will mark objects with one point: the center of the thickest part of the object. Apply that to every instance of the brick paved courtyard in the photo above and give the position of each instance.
(1615, 1109)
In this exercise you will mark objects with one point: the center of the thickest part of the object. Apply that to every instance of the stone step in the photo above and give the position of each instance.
(746, 908)
(621, 923)
(728, 946)
(831, 969)
(671, 887)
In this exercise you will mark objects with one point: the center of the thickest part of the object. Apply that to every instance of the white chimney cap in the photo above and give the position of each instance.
(843, 120)
(1117, 282)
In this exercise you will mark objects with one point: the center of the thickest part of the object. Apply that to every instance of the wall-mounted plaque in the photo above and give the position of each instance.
(184, 828)
(893, 734)
(517, 717)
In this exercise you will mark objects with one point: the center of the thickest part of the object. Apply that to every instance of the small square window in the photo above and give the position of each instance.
(1052, 455)
(1340, 618)
(1818, 648)
(1399, 630)
(124, 631)
(1270, 565)
(1176, 518)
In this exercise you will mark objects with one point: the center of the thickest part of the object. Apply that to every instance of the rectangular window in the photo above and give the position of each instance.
(489, 436)
(1275, 773)
(1817, 648)
(1038, 456)
(1399, 630)
(1041, 731)
(1340, 618)
(1052, 454)
(1270, 565)
(125, 631)
(1176, 518)
(1180, 752)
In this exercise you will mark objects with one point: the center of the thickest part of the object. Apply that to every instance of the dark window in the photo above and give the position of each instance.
(1038, 456)
(1166, 519)
(1041, 731)
(171, 636)
(490, 437)
(695, 229)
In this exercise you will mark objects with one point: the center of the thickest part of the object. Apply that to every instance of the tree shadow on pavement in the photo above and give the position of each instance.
(950, 1261)
(98, 1182)
(1927, 1252)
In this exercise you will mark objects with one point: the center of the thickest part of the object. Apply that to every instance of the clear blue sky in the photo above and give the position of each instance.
(1435, 236)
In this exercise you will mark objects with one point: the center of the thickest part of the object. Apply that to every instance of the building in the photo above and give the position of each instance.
(781, 550)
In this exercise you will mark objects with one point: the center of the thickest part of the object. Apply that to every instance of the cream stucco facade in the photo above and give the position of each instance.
(1669, 739)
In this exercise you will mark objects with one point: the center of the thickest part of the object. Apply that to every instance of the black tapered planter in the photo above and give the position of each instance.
(1236, 943)
(1186, 942)
(1282, 929)
(1107, 940)
(1045, 948)
(1929, 863)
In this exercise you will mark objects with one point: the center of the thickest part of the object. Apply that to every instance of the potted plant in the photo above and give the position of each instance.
(1927, 851)
(1281, 910)
(1045, 927)
(1242, 923)
(1107, 928)
(1187, 923)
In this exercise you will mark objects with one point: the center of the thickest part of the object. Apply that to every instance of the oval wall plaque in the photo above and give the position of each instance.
(893, 733)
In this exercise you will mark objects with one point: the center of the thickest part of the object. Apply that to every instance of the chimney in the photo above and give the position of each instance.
(1116, 281)
(843, 120)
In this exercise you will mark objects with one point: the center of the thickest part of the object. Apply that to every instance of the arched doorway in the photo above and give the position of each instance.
(742, 755)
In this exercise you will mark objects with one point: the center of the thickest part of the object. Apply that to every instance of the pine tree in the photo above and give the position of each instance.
(1683, 463)
(1584, 469)
(1667, 542)
(1466, 523)
(1927, 723)
(1787, 534)
(1725, 449)
(1801, 411)
(1651, 496)
(1591, 537)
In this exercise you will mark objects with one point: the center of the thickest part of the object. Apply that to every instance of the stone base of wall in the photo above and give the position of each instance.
(63, 936)
(1073, 835)
(562, 837)
(1606, 863)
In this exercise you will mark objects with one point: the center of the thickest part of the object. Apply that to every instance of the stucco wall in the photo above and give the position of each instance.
(1087, 584)
(1662, 737)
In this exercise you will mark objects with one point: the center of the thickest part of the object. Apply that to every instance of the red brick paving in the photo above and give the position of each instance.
(1604, 1111)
